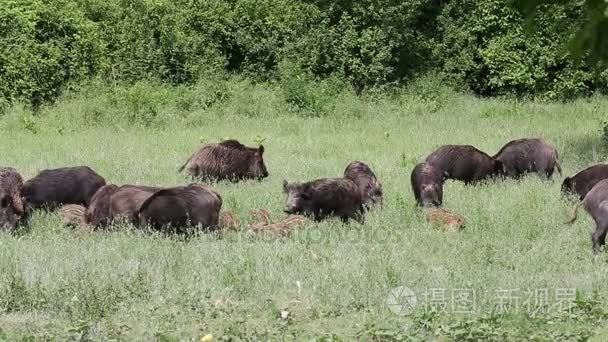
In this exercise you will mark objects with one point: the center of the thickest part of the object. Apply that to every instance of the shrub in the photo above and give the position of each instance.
(43, 45)
(48, 46)
(485, 47)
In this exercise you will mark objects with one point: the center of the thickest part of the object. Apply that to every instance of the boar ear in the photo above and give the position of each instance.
(261, 149)
(285, 185)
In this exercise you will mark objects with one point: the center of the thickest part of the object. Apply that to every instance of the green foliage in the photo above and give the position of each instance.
(49, 46)
(305, 95)
(43, 45)
(488, 50)
(368, 43)
(591, 35)
(29, 123)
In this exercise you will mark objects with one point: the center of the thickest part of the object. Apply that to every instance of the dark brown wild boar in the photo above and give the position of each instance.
(596, 204)
(325, 197)
(67, 185)
(179, 208)
(227, 160)
(465, 163)
(368, 184)
(98, 211)
(11, 203)
(581, 183)
(522, 156)
(427, 185)
(126, 201)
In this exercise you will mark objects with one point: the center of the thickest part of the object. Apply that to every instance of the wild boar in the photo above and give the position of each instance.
(369, 186)
(98, 211)
(260, 216)
(596, 204)
(228, 220)
(581, 183)
(126, 201)
(67, 185)
(439, 216)
(427, 185)
(11, 203)
(523, 156)
(228, 160)
(180, 208)
(325, 197)
(465, 163)
(282, 228)
(73, 215)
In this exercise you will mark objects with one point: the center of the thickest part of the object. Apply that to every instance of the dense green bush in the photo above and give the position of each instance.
(369, 42)
(47, 46)
(485, 46)
(43, 45)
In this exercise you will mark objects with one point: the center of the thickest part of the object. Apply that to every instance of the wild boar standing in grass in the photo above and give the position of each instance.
(369, 186)
(464, 163)
(56, 187)
(11, 204)
(98, 211)
(427, 185)
(523, 156)
(180, 208)
(118, 204)
(581, 183)
(323, 198)
(596, 204)
(228, 160)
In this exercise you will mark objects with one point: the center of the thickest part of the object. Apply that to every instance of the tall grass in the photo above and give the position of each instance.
(334, 279)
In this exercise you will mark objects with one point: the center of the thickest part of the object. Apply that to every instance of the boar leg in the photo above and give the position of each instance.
(601, 227)
(357, 215)
(544, 170)
(360, 218)
(318, 215)
(599, 237)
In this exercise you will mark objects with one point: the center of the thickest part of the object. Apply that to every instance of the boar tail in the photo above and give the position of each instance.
(558, 167)
(557, 164)
(574, 213)
(181, 168)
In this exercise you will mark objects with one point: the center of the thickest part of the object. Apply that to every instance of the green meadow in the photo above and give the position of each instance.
(514, 273)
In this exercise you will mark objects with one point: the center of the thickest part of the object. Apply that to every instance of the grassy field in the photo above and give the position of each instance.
(516, 261)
